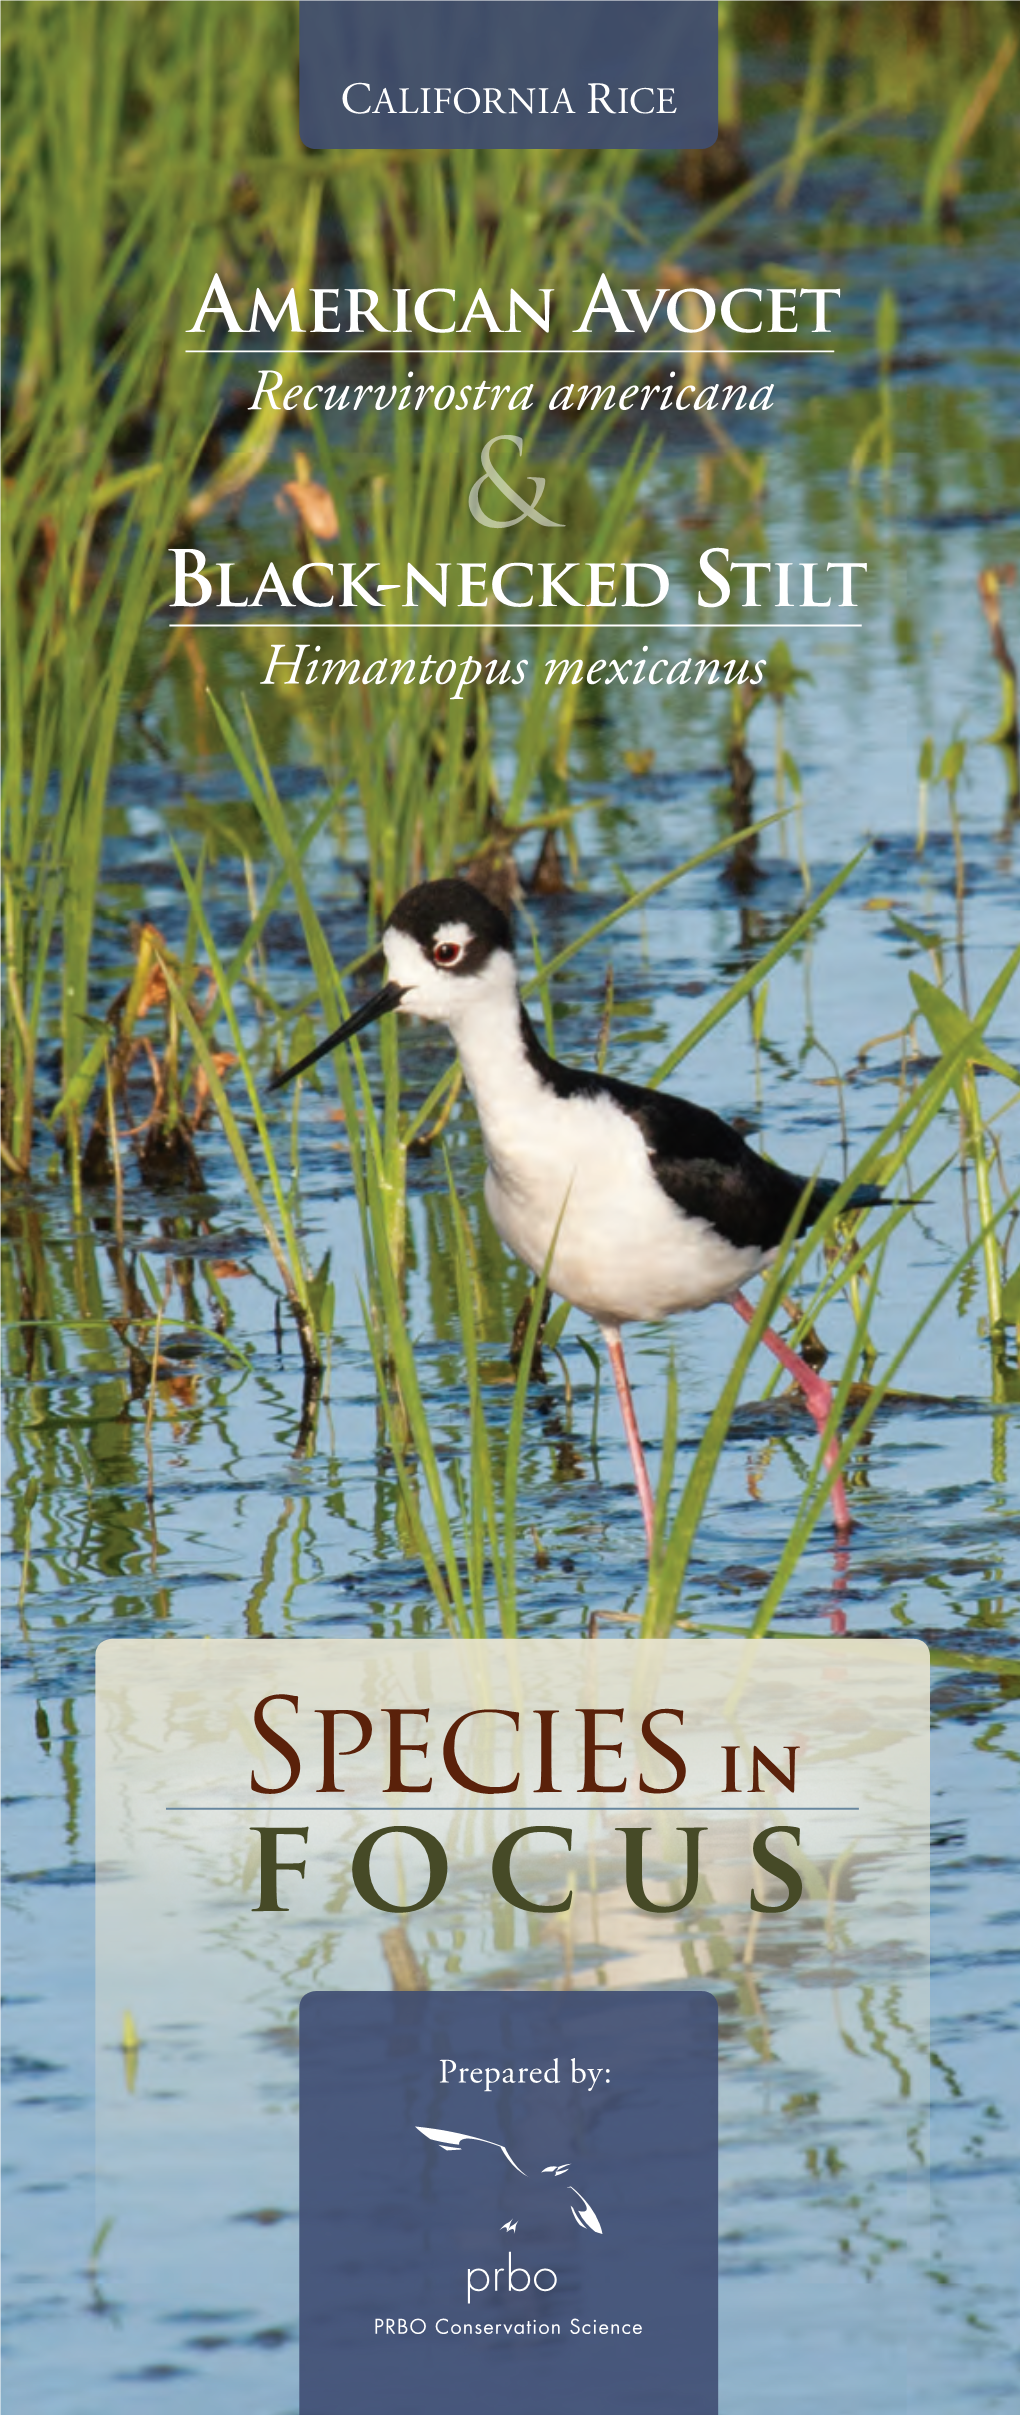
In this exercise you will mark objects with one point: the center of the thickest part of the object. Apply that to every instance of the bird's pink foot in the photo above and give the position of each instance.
(818, 1399)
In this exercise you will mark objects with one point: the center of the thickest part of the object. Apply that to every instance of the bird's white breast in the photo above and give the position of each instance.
(577, 1169)
(622, 1248)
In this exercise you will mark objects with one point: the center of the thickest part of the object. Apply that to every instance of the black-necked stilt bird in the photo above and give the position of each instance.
(647, 1204)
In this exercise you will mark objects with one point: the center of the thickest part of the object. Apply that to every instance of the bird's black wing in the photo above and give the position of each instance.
(708, 1170)
(705, 1167)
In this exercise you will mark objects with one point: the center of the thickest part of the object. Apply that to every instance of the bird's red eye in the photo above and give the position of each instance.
(447, 952)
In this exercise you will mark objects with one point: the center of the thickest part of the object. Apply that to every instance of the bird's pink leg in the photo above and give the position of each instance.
(837, 1614)
(623, 1393)
(818, 1396)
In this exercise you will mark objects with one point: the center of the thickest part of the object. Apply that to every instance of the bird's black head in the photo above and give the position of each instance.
(455, 928)
(446, 947)
(443, 943)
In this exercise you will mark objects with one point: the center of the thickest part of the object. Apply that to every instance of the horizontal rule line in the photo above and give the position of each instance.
(513, 352)
(553, 627)
(431, 1808)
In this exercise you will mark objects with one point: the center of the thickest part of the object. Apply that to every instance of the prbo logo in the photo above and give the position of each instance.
(517, 2277)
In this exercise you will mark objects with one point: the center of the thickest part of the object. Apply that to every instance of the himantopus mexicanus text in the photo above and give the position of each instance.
(648, 1204)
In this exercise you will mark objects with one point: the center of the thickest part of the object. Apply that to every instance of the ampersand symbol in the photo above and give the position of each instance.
(525, 511)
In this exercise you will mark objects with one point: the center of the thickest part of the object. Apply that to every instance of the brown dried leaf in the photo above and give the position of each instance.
(184, 1388)
(675, 276)
(222, 1059)
(314, 506)
(154, 992)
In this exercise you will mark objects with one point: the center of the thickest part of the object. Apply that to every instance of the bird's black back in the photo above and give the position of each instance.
(705, 1167)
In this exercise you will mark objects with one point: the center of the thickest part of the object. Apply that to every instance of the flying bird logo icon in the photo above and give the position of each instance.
(451, 2142)
(587, 2220)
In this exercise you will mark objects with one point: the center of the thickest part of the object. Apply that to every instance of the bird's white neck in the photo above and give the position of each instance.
(486, 1030)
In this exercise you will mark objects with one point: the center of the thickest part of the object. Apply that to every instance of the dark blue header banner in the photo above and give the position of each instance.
(510, 75)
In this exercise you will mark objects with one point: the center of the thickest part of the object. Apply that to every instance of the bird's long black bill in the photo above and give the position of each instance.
(383, 1003)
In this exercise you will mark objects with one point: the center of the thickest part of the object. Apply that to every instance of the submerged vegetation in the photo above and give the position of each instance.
(135, 1062)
